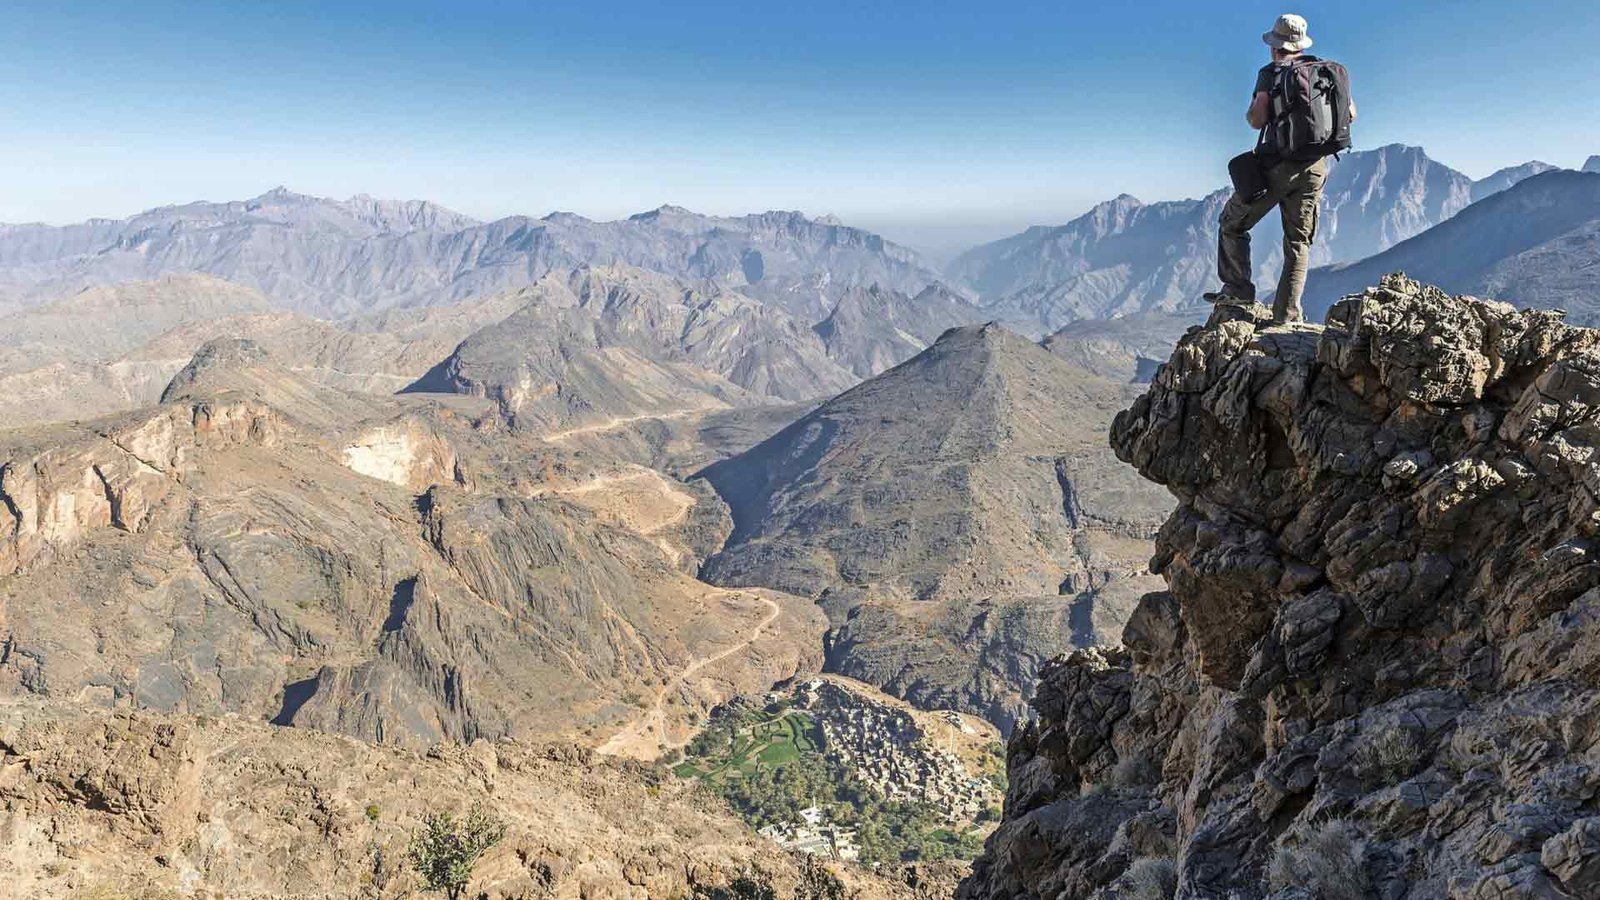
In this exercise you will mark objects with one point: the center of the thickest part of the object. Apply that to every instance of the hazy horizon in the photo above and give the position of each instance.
(924, 122)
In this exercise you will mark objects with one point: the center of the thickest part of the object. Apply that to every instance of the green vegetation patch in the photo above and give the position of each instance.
(769, 763)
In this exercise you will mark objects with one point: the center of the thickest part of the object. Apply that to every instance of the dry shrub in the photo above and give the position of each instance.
(1327, 861)
(1150, 878)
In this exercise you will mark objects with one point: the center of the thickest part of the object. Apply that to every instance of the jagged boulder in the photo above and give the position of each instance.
(1372, 673)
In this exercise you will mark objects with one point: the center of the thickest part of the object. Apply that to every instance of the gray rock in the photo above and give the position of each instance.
(1380, 608)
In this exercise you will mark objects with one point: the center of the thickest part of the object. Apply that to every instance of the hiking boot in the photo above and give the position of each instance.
(1223, 298)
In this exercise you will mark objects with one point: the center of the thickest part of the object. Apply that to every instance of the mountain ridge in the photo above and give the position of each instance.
(337, 258)
(1535, 244)
(1125, 256)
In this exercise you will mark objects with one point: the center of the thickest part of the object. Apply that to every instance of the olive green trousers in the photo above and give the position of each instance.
(1295, 188)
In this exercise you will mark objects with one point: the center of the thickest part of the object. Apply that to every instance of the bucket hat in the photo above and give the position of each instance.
(1288, 34)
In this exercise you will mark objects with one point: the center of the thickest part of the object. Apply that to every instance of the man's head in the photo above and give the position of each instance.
(1288, 36)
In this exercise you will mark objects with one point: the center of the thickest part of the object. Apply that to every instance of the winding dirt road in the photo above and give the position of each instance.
(620, 502)
(645, 738)
(619, 421)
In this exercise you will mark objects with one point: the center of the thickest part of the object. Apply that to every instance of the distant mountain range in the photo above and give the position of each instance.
(1535, 245)
(838, 298)
(1125, 256)
(333, 258)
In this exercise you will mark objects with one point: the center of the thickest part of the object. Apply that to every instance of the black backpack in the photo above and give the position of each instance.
(1310, 110)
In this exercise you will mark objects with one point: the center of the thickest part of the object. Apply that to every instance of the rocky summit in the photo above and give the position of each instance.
(1373, 671)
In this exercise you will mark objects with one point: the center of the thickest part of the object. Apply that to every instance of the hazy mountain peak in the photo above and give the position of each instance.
(1592, 164)
(1508, 176)
(664, 211)
(1533, 244)
(406, 215)
(1124, 257)
(281, 195)
(1397, 148)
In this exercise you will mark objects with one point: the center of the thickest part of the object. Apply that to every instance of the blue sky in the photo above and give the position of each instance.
(930, 119)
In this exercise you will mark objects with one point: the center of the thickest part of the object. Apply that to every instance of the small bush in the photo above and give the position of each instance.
(745, 887)
(1327, 861)
(443, 851)
(1150, 878)
(1388, 756)
(373, 812)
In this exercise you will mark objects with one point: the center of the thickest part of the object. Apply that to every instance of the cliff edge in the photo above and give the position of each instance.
(1376, 666)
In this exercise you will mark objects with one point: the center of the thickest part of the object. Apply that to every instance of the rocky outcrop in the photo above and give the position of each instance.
(60, 484)
(1372, 672)
(100, 804)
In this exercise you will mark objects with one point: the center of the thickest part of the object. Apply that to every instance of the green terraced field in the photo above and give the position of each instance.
(764, 743)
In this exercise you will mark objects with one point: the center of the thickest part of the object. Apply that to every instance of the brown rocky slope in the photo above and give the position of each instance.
(100, 804)
(1374, 671)
(957, 516)
(263, 545)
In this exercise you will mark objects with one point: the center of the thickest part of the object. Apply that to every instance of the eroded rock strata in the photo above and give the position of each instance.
(1374, 670)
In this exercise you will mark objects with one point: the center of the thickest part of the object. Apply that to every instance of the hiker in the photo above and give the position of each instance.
(1303, 109)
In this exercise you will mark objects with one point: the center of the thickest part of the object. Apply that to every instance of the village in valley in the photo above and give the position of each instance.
(832, 767)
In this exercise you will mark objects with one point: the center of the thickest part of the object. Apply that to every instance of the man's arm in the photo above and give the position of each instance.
(1259, 107)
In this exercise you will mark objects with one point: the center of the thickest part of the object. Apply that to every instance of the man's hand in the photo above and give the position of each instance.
(1259, 108)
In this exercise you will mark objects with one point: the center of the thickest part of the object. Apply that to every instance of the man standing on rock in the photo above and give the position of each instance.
(1303, 108)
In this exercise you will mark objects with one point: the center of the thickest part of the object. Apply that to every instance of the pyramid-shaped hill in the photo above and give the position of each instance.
(554, 369)
(959, 516)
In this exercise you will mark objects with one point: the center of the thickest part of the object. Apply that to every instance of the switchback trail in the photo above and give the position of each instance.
(649, 735)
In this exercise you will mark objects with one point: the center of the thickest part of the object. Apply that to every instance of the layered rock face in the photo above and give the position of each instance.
(1374, 672)
(270, 547)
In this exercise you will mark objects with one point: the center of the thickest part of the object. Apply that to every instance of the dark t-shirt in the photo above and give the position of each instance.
(1266, 76)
